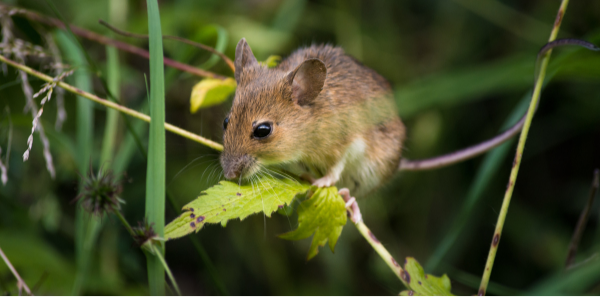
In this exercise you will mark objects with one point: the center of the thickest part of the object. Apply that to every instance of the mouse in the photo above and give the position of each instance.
(320, 114)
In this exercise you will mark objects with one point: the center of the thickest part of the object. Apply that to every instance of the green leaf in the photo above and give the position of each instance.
(323, 215)
(271, 61)
(210, 91)
(227, 200)
(422, 284)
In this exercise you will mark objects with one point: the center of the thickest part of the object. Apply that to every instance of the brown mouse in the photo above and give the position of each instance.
(319, 113)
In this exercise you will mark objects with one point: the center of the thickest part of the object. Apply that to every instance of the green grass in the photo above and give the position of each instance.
(87, 226)
(155, 176)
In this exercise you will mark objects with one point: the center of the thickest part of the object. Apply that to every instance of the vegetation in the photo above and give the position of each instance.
(462, 70)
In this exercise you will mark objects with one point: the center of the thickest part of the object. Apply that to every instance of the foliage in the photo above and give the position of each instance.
(227, 200)
(271, 61)
(210, 91)
(422, 284)
(324, 215)
(458, 68)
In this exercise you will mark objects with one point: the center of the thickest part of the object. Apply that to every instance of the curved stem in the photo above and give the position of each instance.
(124, 222)
(158, 254)
(581, 223)
(519, 154)
(110, 104)
(20, 282)
(90, 35)
(175, 38)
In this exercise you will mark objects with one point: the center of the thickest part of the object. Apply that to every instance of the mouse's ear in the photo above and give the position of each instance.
(243, 58)
(307, 80)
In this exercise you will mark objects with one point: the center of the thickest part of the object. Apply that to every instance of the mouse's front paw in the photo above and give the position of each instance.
(325, 181)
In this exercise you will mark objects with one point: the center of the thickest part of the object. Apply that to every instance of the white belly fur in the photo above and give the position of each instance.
(359, 174)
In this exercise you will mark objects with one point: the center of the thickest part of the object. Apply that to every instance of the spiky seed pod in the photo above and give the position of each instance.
(100, 193)
(145, 236)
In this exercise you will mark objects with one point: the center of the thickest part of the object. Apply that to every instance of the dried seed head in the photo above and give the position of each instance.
(100, 192)
(145, 236)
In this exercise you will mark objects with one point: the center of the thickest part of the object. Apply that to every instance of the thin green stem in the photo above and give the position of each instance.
(167, 269)
(110, 104)
(155, 251)
(383, 253)
(519, 154)
(124, 222)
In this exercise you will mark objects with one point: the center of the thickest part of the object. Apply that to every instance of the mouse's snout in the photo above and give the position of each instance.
(235, 166)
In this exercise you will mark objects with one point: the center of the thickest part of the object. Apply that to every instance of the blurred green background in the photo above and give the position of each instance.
(459, 69)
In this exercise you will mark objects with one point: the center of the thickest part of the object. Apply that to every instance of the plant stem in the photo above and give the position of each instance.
(175, 38)
(110, 104)
(488, 168)
(167, 269)
(110, 128)
(155, 251)
(519, 154)
(124, 222)
(90, 35)
(582, 221)
(20, 282)
(87, 226)
(383, 253)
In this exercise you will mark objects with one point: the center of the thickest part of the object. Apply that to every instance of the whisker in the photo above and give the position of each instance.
(268, 172)
(189, 165)
(212, 172)
(211, 167)
(263, 206)
(283, 175)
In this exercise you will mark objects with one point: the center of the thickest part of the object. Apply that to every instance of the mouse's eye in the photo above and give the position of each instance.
(225, 122)
(263, 130)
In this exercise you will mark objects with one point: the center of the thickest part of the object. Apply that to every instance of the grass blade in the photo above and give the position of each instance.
(118, 11)
(87, 226)
(485, 173)
(155, 177)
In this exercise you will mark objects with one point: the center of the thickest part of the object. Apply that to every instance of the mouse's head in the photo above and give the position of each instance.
(270, 118)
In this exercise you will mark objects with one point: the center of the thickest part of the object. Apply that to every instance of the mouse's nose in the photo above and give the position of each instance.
(231, 174)
(233, 165)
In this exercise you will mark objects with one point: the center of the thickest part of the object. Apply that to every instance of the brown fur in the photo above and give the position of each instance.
(355, 102)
